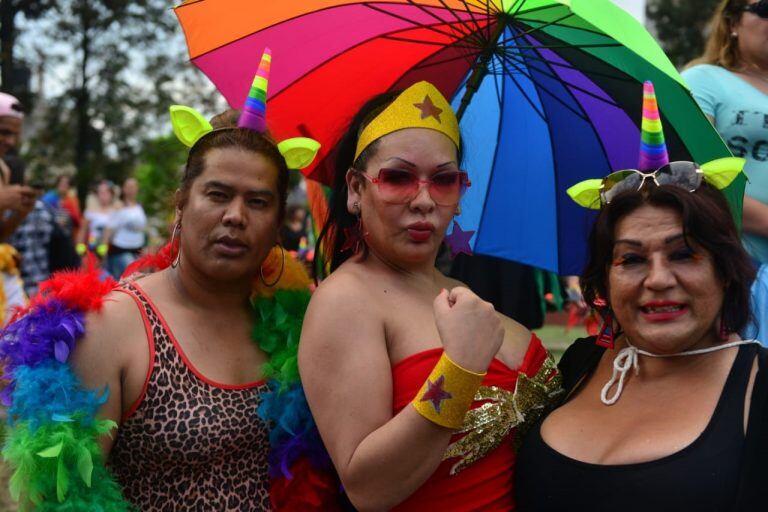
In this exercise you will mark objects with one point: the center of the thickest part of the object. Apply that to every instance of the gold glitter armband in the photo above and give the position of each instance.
(447, 394)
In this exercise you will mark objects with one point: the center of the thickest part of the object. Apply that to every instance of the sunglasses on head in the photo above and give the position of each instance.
(758, 8)
(397, 186)
(686, 175)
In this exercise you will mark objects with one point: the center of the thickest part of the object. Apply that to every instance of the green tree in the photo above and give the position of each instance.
(680, 26)
(162, 160)
(123, 63)
(9, 10)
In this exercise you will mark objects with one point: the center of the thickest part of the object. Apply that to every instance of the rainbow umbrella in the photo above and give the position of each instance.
(549, 93)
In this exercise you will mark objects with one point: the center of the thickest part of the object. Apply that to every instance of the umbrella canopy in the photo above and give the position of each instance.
(549, 92)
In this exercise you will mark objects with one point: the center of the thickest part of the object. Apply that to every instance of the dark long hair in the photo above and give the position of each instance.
(332, 237)
(706, 219)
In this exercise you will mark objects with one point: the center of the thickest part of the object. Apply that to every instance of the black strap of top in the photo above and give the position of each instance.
(579, 360)
(753, 492)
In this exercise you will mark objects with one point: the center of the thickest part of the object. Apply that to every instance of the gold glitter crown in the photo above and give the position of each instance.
(419, 106)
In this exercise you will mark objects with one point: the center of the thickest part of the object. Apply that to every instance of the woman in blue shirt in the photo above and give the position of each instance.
(730, 83)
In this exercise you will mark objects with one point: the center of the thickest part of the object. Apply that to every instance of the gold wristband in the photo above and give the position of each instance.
(448, 393)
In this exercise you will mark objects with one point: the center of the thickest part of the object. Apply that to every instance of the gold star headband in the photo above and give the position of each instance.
(419, 106)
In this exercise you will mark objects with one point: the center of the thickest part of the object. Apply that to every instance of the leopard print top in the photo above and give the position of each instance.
(189, 443)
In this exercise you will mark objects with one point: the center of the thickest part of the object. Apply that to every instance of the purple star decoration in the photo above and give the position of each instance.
(458, 241)
(435, 393)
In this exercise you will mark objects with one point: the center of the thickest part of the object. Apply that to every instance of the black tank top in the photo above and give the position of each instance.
(704, 476)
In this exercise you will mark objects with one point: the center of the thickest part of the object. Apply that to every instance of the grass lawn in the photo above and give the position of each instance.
(555, 337)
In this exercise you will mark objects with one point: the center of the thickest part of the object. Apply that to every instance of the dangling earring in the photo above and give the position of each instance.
(280, 275)
(725, 331)
(458, 210)
(606, 337)
(354, 236)
(174, 241)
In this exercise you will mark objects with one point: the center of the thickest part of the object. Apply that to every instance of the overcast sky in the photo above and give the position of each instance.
(636, 7)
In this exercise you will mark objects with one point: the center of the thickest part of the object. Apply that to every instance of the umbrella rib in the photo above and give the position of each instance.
(525, 94)
(535, 9)
(545, 89)
(432, 43)
(527, 21)
(450, 24)
(516, 7)
(413, 22)
(357, 45)
(445, 61)
(493, 163)
(499, 95)
(471, 14)
(551, 74)
(562, 46)
(452, 11)
(534, 29)
(570, 66)
(488, 31)
(588, 121)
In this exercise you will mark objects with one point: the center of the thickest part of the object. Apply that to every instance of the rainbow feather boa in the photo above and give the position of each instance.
(53, 426)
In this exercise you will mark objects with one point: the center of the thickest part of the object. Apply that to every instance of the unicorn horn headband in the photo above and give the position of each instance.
(190, 126)
(654, 155)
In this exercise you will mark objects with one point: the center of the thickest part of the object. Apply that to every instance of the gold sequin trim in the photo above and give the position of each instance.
(488, 425)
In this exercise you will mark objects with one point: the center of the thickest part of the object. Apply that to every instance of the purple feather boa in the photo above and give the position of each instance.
(49, 331)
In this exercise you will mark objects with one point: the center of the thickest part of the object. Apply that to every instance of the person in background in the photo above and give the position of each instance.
(63, 200)
(124, 233)
(294, 228)
(96, 219)
(730, 83)
(12, 295)
(16, 200)
(27, 223)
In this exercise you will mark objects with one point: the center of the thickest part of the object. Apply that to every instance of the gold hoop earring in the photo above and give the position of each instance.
(174, 235)
(280, 275)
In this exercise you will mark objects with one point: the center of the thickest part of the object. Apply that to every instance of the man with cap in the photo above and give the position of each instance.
(12, 197)
(25, 222)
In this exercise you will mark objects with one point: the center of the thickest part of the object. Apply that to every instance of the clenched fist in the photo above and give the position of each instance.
(469, 328)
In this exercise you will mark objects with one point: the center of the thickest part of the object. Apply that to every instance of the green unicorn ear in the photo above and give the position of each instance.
(587, 193)
(721, 173)
(299, 152)
(188, 124)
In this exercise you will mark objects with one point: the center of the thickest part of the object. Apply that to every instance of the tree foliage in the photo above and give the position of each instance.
(162, 160)
(680, 26)
(118, 66)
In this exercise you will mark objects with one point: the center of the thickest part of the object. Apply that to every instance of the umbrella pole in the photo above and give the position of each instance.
(481, 68)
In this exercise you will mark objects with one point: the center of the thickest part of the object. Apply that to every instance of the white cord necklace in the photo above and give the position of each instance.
(627, 358)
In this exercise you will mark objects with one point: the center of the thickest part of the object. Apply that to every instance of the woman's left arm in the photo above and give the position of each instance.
(755, 217)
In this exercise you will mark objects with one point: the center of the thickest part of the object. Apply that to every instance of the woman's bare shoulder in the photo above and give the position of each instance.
(342, 310)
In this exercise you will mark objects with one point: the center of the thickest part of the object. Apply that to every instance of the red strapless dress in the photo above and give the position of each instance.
(483, 474)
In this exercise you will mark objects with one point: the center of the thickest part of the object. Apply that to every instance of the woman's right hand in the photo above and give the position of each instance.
(469, 327)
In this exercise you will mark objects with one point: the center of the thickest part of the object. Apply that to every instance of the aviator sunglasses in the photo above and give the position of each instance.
(686, 175)
(400, 187)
